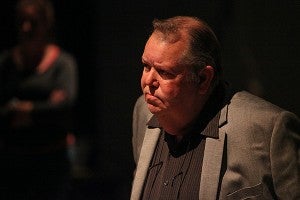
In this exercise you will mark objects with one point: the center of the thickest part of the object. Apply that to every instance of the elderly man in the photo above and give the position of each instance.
(194, 138)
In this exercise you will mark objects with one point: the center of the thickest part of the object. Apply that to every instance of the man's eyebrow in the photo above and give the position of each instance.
(144, 61)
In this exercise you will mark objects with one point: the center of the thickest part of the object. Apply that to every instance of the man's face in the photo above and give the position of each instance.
(164, 81)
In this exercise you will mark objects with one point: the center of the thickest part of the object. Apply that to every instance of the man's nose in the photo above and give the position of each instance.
(152, 78)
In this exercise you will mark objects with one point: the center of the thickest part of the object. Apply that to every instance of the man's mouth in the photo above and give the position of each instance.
(151, 99)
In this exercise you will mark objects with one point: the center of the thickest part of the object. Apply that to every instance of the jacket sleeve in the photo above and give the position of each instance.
(285, 153)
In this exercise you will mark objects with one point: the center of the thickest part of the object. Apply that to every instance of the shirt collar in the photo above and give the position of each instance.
(153, 122)
(211, 129)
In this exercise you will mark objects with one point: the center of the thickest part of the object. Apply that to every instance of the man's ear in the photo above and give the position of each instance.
(206, 76)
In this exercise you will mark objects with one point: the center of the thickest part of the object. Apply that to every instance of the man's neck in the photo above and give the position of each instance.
(180, 123)
(183, 123)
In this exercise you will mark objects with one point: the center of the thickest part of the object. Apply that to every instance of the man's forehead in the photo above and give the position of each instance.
(169, 37)
(165, 51)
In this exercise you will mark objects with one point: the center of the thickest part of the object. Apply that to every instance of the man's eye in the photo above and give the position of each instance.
(162, 72)
(166, 75)
(146, 67)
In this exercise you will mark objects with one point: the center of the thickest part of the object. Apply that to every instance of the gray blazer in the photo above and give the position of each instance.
(256, 154)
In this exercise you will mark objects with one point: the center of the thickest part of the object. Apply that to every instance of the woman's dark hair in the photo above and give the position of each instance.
(44, 10)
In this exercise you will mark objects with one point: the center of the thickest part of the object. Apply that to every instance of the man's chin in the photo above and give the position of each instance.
(153, 109)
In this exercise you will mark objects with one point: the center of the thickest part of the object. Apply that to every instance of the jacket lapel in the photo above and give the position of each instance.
(212, 161)
(148, 147)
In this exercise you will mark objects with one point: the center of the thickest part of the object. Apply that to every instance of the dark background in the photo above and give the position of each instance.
(261, 45)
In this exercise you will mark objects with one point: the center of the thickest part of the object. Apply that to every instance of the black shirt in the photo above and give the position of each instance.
(175, 169)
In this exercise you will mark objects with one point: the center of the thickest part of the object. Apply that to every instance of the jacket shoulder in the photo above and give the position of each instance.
(247, 101)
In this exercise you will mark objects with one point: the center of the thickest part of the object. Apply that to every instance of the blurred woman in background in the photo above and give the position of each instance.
(38, 88)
